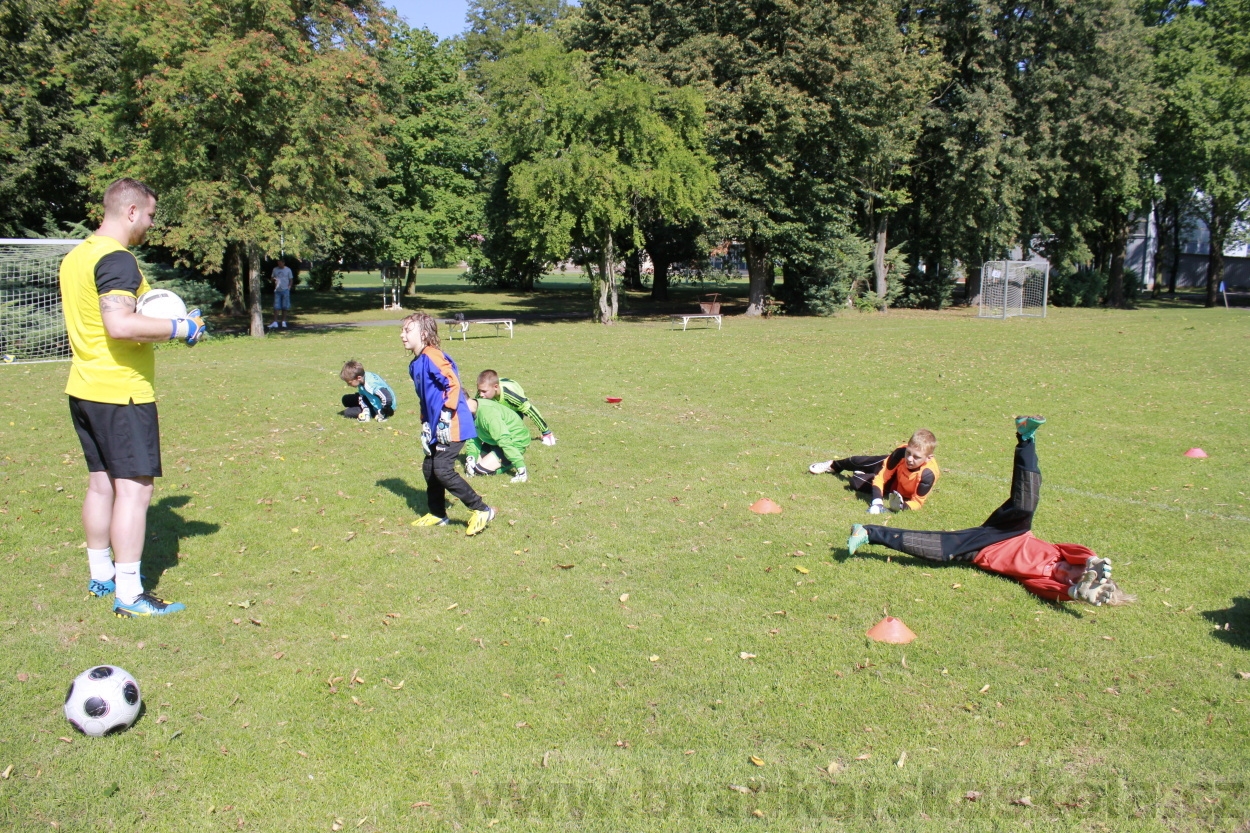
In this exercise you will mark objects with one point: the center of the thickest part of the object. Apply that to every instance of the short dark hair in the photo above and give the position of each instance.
(126, 192)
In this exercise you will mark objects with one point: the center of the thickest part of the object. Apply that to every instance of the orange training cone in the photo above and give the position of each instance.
(1195, 452)
(764, 506)
(891, 630)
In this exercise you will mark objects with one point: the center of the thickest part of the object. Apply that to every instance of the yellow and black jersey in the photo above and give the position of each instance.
(913, 486)
(104, 369)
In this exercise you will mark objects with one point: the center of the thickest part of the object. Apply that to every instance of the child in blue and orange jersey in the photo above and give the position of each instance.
(445, 424)
(907, 474)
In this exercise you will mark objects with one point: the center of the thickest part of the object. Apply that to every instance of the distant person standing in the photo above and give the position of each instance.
(282, 278)
(111, 396)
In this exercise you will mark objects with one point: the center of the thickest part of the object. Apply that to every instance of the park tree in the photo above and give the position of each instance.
(55, 62)
(584, 149)
(1202, 65)
(260, 123)
(812, 109)
(494, 24)
(431, 194)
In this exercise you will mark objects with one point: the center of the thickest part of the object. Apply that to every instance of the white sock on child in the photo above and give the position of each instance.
(101, 563)
(129, 585)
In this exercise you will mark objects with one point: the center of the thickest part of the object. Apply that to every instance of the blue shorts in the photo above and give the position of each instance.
(282, 299)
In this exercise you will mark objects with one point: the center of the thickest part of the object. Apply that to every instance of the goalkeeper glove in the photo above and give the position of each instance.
(192, 328)
(877, 507)
(897, 504)
(426, 438)
(549, 438)
(364, 416)
(443, 431)
(521, 476)
(470, 463)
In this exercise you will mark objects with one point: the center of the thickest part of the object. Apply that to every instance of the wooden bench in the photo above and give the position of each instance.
(461, 325)
(686, 317)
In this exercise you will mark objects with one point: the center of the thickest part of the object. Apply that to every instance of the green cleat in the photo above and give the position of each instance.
(1026, 426)
(859, 537)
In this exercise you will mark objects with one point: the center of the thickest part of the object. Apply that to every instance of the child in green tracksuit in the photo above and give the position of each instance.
(501, 436)
(491, 386)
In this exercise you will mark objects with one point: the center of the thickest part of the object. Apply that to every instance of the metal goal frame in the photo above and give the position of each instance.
(1014, 288)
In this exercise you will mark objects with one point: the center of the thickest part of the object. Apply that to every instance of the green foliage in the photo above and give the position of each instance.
(493, 25)
(1077, 287)
(431, 194)
(584, 150)
(254, 120)
(55, 59)
(926, 290)
(325, 276)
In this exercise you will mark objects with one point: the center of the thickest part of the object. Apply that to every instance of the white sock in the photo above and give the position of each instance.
(129, 585)
(101, 563)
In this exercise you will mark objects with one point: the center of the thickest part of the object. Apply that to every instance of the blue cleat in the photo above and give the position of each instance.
(100, 589)
(1026, 426)
(859, 537)
(146, 605)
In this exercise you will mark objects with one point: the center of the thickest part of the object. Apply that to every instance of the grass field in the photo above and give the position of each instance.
(579, 665)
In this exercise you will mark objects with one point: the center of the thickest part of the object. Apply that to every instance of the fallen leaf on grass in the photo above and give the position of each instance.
(902, 759)
(758, 761)
(453, 605)
(863, 757)
(8, 770)
(65, 739)
(417, 804)
(350, 536)
(1245, 675)
(834, 768)
(566, 566)
(279, 655)
(758, 813)
(522, 725)
(801, 569)
(972, 795)
(956, 586)
(1024, 742)
(745, 655)
(653, 658)
(23, 677)
(1112, 690)
(1023, 801)
(739, 789)
(624, 598)
(985, 688)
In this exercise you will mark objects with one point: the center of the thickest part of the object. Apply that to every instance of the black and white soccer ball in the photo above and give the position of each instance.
(161, 303)
(102, 701)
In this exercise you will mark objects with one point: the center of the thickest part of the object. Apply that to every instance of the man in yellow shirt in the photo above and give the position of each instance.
(111, 397)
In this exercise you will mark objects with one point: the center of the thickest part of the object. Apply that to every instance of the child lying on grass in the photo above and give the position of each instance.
(1005, 545)
(907, 474)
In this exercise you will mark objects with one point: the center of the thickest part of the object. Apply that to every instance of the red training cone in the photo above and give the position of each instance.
(1195, 452)
(764, 506)
(891, 630)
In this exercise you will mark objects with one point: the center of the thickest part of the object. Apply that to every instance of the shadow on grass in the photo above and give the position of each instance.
(166, 528)
(1232, 624)
(400, 488)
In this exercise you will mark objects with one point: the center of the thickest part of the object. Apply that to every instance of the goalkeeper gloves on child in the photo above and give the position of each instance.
(470, 463)
(521, 476)
(549, 438)
(876, 507)
(427, 439)
(443, 431)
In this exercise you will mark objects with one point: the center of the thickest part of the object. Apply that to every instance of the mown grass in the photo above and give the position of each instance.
(536, 695)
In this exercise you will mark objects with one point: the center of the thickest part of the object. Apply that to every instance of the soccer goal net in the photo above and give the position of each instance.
(1014, 287)
(32, 325)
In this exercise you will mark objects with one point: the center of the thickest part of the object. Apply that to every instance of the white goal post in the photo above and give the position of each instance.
(32, 323)
(1014, 287)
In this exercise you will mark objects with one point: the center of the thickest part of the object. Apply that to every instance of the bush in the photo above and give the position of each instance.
(1082, 288)
(921, 290)
(325, 276)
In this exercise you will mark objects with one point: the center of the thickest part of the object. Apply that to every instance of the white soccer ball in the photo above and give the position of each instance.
(102, 701)
(161, 303)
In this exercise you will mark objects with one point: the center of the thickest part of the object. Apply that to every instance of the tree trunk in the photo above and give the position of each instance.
(256, 312)
(633, 271)
(608, 303)
(1215, 257)
(659, 279)
(759, 270)
(1115, 276)
(879, 268)
(410, 284)
(1176, 248)
(1161, 247)
(232, 281)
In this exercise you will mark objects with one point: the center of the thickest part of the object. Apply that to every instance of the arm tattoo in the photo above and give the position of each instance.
(115, 303)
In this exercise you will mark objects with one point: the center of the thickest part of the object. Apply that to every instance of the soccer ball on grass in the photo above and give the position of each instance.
(102, 700)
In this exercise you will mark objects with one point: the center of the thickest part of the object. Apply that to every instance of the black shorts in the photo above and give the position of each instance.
(123, 440)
